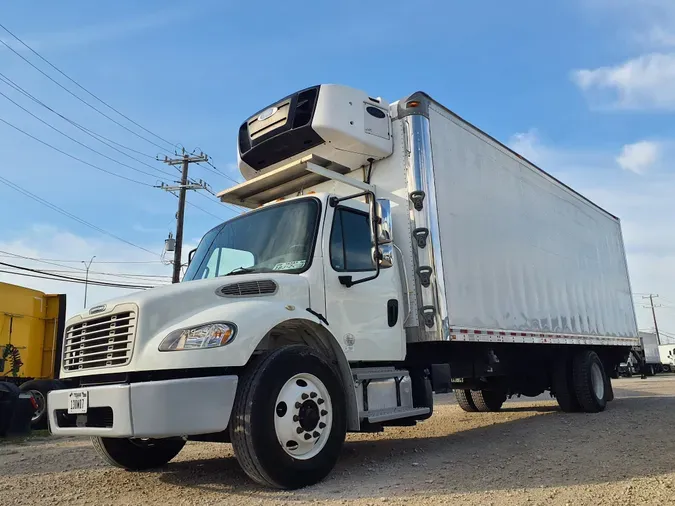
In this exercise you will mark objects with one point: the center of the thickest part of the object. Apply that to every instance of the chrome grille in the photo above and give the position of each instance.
(249, 288)
(106, 341)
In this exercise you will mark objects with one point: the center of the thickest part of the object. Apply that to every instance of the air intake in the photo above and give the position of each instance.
(249, 288)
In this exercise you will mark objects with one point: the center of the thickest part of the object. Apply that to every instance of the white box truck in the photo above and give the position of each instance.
(667, 353)
(391, 251)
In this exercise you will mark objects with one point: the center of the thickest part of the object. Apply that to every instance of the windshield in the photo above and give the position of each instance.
(277, 238)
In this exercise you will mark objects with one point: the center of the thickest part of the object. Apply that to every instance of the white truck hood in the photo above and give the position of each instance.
(160, 311)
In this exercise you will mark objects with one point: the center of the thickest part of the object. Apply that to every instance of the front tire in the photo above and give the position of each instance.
(137, 454)
(289, 421)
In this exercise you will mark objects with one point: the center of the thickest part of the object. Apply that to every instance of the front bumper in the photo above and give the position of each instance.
(178, 407)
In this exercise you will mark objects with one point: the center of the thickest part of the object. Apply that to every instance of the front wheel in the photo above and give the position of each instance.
(289, 419)
(137, 454)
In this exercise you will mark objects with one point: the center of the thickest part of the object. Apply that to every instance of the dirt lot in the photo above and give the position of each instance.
(529, 454)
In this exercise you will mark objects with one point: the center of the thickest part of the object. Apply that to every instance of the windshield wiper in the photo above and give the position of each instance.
(240, 270)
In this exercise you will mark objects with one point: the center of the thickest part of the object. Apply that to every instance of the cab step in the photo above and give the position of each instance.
(384, 415)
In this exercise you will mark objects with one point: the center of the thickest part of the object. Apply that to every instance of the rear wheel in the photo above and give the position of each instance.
(289, 419)
(488, 400)
(39, 390)
(563, 386)
(137, 454)
(465, 401)
(589, 381)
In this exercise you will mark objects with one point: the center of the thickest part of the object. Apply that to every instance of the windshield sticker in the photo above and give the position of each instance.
(287, 266)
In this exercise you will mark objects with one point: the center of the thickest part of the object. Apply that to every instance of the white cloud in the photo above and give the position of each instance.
(639, 157)
(115, 262)
(645, 82)
(643, 204)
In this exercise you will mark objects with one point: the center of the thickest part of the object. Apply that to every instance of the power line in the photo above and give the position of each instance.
(73, 156)
(82, 87)
(59, 277)
(7, 254)
(62, 211)
(83, 144)
(107, 141)
(227, 206)
(69, 270)
(77, 96)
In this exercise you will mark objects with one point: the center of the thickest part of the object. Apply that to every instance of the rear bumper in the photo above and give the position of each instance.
(179, 407)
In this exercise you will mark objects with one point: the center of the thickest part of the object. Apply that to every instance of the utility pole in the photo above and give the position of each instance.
(651, 298)
(185, 160)
(86, 279)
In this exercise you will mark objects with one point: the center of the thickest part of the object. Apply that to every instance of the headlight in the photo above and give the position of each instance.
(210, 335)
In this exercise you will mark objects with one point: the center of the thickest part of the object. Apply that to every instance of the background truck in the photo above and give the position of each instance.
(667, 353)
(31, 334)
(391, 250)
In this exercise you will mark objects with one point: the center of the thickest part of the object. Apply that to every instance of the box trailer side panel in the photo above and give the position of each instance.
(521, 252)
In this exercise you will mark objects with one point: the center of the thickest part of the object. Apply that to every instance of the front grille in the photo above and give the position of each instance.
(106, 341)
(249, 288)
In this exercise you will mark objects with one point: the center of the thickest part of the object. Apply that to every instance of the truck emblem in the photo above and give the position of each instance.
(97, 309)
(267, 113)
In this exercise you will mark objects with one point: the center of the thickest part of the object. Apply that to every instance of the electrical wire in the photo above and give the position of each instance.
(59, 277)
(107, 141)
(62, 211)
(228, 206)
(73, 156)
(7, 254)
(69, 270)
(83, 144)
(77, 96)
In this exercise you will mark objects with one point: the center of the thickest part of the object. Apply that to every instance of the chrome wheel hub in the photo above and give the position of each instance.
(303, 416)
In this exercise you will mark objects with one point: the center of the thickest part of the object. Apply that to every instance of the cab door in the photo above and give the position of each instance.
(366, 318)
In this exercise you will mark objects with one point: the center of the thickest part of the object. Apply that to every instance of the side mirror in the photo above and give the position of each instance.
(385, 226)
(191, 255)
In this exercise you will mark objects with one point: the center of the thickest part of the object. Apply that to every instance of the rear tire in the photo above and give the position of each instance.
(289, 420)
(39, 390)
(589, 381)
(465, 401)
(488, 400)
(137, 454)
(563, 386)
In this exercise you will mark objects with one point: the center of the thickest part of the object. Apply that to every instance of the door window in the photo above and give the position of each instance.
(350, 242)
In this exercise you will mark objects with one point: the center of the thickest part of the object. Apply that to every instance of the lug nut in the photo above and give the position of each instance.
(316, 434)
(313, 395)
(320, 401)
(305, 397)
(298, 405)
(322, 425)
(296, 418)
(299, 430)
(307, 436)
(324, 412)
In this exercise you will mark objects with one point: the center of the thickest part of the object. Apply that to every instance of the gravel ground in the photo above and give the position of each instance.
(528, 454)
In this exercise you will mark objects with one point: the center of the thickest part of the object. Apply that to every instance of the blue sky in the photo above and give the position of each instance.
(583, 87)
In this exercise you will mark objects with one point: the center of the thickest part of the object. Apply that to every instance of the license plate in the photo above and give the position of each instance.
(78, 402)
